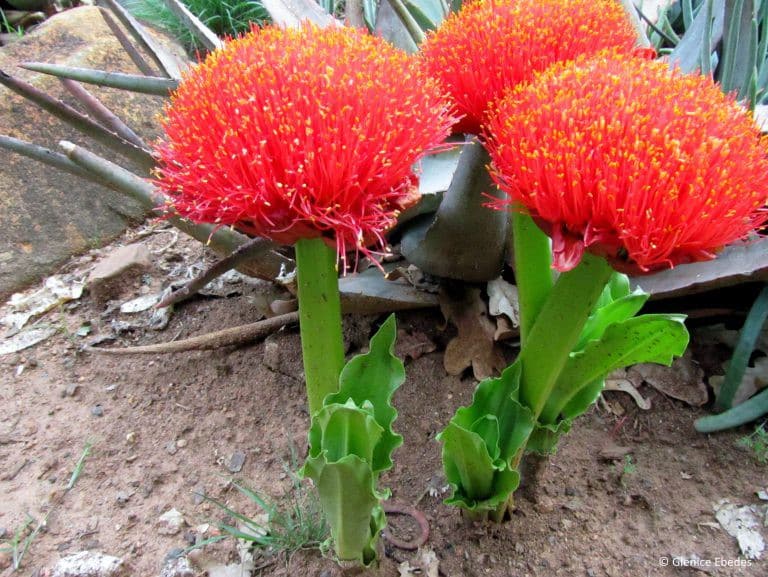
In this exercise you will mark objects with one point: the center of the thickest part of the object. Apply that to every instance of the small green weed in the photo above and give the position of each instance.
(223, 17)
(292, 525)
(756, 443)
(18, 545)
(8, 27)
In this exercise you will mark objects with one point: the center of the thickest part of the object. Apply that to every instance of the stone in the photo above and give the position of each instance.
(178, 567)
(236, 462)
(46, 215)
(89, 564)
(111, 274)
(170, 523)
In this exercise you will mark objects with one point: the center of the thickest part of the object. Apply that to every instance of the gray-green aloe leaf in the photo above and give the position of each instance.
(351, 442)
(481, 443)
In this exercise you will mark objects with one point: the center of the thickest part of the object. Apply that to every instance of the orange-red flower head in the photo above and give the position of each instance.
(491, 45)
(629, 160)
(301, 133)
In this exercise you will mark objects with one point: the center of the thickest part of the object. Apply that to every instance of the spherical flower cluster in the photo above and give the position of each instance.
(301, 133)
(491, 45)
(629, 160)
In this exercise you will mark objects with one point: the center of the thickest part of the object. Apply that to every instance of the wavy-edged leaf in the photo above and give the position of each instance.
(482, 441)
(656, 338)
(351, 505)
(374, 377)
(340, 430)
(153, 85)
(478, 482)
(614, 312)
(544, 438)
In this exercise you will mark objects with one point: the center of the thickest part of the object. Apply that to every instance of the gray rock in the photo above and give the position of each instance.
(178, 566)
(170, 523)
(46, 215)
(89, 564)
(236, 462)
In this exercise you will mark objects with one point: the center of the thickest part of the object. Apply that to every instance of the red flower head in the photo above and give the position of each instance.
(491, 45)
(629, 160)
(301, 133)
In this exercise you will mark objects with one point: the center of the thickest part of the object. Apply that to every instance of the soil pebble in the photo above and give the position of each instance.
(89, 564)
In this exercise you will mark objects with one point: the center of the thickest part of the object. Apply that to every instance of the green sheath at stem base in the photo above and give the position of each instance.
(533, 269)
(322, 345)
(557, 328)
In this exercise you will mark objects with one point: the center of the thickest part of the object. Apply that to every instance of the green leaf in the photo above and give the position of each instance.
(746, 412)
(351, 505)
(583, 399)
(351, 442)
(478, 482)
(613, 312)
(341, 430)
(544, 438)
(481, 443)
(657, 338)
(374, 377)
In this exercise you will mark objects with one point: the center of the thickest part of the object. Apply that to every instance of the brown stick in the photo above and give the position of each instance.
(253, 248)
(391, 508)
(224, 338)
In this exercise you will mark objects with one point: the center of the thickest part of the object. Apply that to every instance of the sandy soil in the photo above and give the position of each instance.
(165, 427)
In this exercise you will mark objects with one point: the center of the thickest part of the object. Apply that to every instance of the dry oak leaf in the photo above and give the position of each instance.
(474, 345)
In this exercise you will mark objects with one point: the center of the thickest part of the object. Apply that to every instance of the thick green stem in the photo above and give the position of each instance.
(319, 319)
(557, 328)
(533, 269)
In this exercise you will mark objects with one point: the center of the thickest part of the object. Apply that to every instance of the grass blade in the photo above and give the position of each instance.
(153, 85)
(167, 62)
(204, 34)
(78, 470)
(78, 120)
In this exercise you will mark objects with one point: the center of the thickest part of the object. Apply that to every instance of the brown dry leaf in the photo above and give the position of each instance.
(682, 381)
(413, 345)
(474, 345)
(755, 379)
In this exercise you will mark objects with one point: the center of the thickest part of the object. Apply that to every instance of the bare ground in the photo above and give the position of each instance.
(165, 427)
